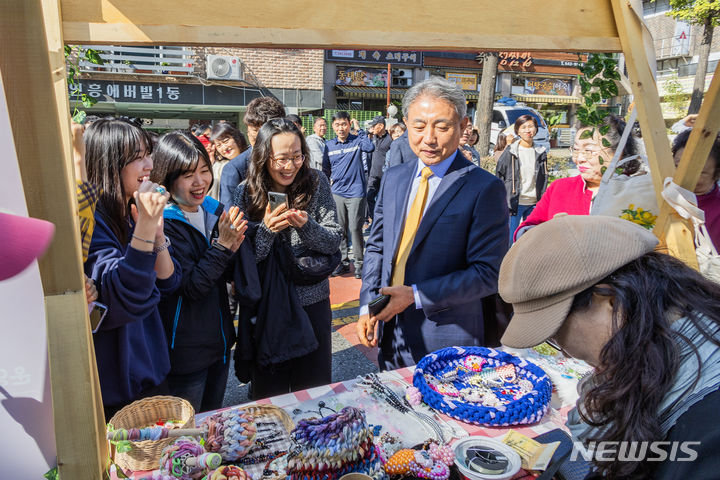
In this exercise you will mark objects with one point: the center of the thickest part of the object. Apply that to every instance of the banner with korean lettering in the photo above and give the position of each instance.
(547, 86)
(467, 81)
(26, 418)
(394, 57)
(361, 77)
(163, 93)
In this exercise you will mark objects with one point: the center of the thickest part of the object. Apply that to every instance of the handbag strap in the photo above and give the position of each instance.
(685, 204)
(621, 146)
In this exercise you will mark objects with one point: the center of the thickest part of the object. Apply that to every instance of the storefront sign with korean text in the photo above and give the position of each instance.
(163, 93)
(412, 58)
(467, 81)
(515, 59)
(361, 77)
(547, 86)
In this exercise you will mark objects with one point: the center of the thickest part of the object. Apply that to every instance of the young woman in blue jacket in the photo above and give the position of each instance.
(197, 319)
(129, 263)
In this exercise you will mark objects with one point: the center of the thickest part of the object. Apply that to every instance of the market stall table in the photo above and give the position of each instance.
(564, 374)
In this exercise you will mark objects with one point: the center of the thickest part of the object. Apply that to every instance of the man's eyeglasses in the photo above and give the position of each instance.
(297, 160)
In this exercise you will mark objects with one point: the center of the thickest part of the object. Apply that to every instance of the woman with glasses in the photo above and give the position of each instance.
(228, 142)
(592, 153)
(306, 223)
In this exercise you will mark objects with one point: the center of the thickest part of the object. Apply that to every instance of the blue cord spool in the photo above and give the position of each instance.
(448, 365)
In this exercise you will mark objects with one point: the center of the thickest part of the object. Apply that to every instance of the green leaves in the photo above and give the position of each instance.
(587, 134)
(597, 84)
(80, 117)
(601, 160)
(93, 56)
(604, 129)
(606, 143)
(603, 170)
(52, 474)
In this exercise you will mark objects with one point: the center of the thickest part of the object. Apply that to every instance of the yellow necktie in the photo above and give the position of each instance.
(412, 222)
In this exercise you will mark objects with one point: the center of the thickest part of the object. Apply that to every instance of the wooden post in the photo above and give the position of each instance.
(674, 234)
(34, 74)
(702, 137)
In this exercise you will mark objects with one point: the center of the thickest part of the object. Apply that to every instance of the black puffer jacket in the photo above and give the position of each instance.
(198, 324)
(508, 170)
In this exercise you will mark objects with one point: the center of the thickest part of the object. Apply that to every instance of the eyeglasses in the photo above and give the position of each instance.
(587, 153)
(297, 160)
(486, 460)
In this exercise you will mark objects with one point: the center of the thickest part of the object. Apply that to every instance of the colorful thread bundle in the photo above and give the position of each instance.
(139, 434)
(228, 472)
(230, 433)
(330, 447)
(483, 386)
(186, 459)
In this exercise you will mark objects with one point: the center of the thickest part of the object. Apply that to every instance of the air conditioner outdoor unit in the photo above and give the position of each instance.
(223, 67)
(402, 73)
(401, 82)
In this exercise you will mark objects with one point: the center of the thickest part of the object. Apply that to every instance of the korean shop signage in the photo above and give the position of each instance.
(165, 94)
(395, 57)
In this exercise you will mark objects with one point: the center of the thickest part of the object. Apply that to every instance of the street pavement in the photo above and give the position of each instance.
(349, 358)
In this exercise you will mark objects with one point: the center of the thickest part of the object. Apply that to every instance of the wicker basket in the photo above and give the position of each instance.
(144, 413)
(258, 410)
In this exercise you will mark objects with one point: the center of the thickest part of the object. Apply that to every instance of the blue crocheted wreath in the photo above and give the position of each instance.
(483, 386)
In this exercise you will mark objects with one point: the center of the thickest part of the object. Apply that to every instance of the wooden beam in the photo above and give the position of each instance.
(673, 234)
(563, 25)
(702, 137)
(33, 72)
(698, 147)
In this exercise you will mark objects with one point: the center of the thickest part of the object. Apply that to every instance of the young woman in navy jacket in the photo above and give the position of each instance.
(129, 263)
(197, 319)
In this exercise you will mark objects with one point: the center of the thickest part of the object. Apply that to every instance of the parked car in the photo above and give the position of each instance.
(504, 116)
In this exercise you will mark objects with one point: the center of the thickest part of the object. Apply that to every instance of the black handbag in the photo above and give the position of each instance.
(310, 267)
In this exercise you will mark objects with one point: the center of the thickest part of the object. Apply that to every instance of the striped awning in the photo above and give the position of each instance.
(547, 99)
(381, 92)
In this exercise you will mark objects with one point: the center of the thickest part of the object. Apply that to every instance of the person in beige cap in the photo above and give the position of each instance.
(593, 287)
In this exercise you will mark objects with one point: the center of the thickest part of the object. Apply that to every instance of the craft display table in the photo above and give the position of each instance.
(563, 399)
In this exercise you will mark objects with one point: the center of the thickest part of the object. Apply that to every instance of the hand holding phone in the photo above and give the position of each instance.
(275, 199)
(274, 219)
(377, 304)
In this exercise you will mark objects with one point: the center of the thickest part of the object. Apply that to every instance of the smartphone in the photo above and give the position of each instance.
(377, 304)
(276, 199)
(97, 315)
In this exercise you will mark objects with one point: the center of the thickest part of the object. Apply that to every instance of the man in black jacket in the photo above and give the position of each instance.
(382, 141)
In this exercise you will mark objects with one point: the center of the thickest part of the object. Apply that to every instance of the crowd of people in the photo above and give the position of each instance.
(188, 232)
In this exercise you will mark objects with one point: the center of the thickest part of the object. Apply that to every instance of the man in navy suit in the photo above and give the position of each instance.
(455, 217)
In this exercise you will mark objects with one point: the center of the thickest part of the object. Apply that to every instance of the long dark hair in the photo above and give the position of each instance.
(110, 144)
(224, 129)
(638, 365)
(177, 153)
(259, 181)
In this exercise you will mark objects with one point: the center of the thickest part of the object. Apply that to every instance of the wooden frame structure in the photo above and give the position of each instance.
(32, 64)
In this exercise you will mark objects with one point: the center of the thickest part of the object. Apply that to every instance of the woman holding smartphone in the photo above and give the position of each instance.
(197, 318)
(306, 223)
(129, 262)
